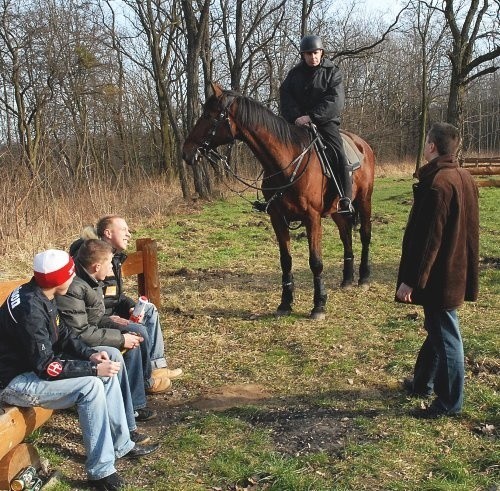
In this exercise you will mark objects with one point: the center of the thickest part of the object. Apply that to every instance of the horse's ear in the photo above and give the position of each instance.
(216, 89)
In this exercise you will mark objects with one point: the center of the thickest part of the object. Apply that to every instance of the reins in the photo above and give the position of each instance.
(216, 158)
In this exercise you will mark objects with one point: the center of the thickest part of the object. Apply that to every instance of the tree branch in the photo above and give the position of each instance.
(352, 52)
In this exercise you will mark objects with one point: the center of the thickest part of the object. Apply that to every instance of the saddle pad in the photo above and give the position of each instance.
(354, 156)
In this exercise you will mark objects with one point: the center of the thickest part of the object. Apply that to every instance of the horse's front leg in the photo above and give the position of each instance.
(287, 285)
(314, 234)
(344, 224)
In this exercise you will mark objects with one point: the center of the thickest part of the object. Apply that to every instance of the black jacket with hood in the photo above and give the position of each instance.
(33, 339)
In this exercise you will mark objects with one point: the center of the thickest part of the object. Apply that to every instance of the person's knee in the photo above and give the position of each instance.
(91, 388)
(114, 354)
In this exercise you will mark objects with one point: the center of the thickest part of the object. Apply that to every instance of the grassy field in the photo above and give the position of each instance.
(292, 404)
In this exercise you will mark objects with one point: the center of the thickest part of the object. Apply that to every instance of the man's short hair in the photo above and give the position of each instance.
(446, 138)
(93, 251)
(104, 223)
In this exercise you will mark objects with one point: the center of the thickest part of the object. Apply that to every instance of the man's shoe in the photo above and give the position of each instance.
(145, 414)
(139, 438)
(142, 450)
(173, 374)
(408, 386)
(159, 385)
(109, 483)
(432, 412)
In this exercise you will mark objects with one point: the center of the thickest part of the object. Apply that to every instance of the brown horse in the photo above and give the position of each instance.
(293, 183)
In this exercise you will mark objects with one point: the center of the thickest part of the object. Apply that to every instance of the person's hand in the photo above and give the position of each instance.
(108, 368)
(99, 357)
(132, 340)
(404, 293)
(303, 120)
(119, 320)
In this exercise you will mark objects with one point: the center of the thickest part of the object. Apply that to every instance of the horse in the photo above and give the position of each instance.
(293, 184)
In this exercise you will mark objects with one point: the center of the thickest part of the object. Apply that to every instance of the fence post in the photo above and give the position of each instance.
(148, 281)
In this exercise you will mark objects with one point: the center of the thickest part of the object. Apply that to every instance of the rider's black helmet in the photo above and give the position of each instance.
(310, 43)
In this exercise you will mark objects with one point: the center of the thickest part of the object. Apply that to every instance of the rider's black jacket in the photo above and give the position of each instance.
(315, 91)
(33, 339)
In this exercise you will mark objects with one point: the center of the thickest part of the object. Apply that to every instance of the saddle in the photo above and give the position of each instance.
(353, 155)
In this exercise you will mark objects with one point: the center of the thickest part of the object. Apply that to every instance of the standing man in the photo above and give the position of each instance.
(439, 268)
(43, 364)
(313, 92)
(114, 230)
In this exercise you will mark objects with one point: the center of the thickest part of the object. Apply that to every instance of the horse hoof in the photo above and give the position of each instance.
(346, 284)
(364, 285)
(283, 312)
(317, 316)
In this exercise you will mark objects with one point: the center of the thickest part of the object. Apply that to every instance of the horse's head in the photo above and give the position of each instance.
(213, 128)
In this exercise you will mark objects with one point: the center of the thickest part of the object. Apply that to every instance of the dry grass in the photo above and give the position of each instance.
(41, 215)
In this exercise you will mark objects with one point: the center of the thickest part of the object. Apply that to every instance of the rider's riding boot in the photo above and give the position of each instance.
(345, 203)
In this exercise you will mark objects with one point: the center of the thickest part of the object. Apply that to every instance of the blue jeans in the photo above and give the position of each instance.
(151, 327)
(440, 362)
(124, 376)
(151, 321)
(100, 410)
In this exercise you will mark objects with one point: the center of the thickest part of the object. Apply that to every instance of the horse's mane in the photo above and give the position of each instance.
(252, 113)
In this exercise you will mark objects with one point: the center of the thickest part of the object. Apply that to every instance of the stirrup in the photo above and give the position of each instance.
(344, 206)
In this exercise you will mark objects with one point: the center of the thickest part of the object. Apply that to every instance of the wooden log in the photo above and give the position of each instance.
(480, 160)
(484, 170)
(20, 457)
(488, 183)
(6, 287)
(16, 423)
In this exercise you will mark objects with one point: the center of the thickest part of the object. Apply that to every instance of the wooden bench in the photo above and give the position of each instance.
(17, 423)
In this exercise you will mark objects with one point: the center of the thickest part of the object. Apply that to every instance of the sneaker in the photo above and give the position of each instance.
(159, 385)
(142, 450)
(139, 438)
(408, 386)
(109, 483)
(144, 414)
(432, 412)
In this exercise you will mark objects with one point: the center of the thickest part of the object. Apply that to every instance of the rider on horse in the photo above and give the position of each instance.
(313, 92)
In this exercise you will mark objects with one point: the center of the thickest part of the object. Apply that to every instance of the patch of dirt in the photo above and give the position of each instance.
(229, 396)
(296, 428)
(203, 274)
(303, 430)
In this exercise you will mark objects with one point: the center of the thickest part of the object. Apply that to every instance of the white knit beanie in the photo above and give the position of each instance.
(53, 268)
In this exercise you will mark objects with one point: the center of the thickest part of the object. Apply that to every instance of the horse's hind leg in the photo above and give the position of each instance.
(287, 285)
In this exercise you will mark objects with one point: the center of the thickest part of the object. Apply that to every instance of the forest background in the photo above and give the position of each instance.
(96, 97)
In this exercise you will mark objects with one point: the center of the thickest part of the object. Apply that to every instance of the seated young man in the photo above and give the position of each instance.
(43, 364)
(82, 309)
(114, 230)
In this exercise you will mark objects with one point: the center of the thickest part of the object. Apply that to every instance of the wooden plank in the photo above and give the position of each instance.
(20, 457)
(16, 423)
(133, 265)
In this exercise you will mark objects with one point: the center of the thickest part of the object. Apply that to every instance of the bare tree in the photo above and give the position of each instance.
(474, 47)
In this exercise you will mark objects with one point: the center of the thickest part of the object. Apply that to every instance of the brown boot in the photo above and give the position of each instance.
(167, 372)
(159, 385)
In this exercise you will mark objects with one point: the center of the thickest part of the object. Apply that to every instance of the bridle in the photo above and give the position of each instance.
(215, 157)
(210, 154)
